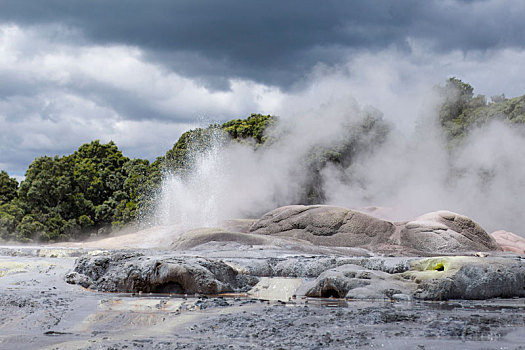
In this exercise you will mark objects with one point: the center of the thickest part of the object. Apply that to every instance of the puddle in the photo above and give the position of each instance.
(141, 305)
(275, 288)
(329, 302)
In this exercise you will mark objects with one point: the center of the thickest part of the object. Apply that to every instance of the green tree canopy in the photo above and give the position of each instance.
(461, 111)
(181, 156)
(253, 127)
(67, 197)
(8, 187)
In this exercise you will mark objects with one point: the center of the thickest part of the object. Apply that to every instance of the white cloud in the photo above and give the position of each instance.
(67, 94)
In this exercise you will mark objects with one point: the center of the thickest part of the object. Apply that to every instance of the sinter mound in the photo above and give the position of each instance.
(434, 233)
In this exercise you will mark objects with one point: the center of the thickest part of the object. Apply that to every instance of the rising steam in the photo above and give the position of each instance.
(404, 173)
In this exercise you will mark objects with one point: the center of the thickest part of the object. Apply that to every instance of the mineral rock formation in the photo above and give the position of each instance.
(133, 272)
(356, 282)
(509, 242)
(196, 237)
(440, 278)
(436, 233)
(446, 232)
(325, 225)
(336, 252)
(437, 278)
(460, 277)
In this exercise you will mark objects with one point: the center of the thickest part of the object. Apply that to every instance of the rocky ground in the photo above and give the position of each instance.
(40, 310)
(299, 278)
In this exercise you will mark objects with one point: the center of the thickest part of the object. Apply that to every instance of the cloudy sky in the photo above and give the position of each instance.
(142, 72)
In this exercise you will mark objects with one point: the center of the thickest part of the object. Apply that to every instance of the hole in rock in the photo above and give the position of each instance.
(330, 293)
(439, 267)
(169, 287)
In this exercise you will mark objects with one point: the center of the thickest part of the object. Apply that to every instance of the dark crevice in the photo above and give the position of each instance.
(330, 293)
(169, 287)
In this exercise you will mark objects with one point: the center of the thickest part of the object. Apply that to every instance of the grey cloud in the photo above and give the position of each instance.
(11, 86)
(26, 92)
(276, 42)
(128, 104)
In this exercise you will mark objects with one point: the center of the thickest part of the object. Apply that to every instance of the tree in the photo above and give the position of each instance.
(364, 136)
(253, 127)
(48, 186)
(460, 111)
(181, 157)
(141, 180)
(10, 216)
(8, 188)
(98, 187)
(98, 171)
(10, 212)
(458, 104)
(66, 197)
(456, 95)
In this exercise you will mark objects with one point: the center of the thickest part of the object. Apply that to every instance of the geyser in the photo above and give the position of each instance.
(378, 165)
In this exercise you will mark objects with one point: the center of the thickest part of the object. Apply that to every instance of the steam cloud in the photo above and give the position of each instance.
(410, 173)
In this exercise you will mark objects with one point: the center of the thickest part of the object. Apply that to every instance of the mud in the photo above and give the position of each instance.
(39, 310)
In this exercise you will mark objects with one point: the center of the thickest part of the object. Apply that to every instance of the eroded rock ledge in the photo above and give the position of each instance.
(134, 272)
(439, 278)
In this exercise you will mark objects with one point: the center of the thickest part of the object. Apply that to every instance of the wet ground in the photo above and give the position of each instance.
(38, 310)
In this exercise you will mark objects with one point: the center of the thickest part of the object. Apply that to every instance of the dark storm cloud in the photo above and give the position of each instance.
(275, 42)
(142, 72)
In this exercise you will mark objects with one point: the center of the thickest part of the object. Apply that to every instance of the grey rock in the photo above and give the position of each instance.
(461, 277)
(196, 237)
(446, 232)
(401, 297)
(78, 278)
(356, 282)
(205, 240)
(307, 267)
(128, 272)
(439, 278)
(509, 241)
(435, 233)
(325, 225)
(313, 266)
(389, 265)
(238, 225)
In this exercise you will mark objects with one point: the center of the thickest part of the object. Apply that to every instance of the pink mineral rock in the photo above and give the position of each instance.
(509, 241)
